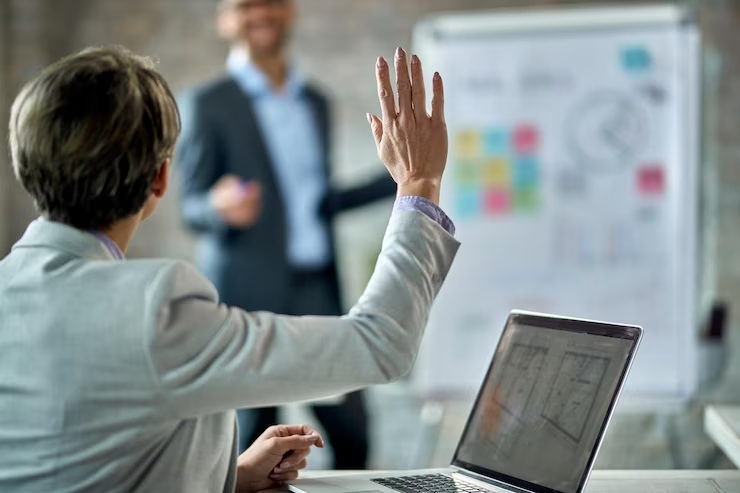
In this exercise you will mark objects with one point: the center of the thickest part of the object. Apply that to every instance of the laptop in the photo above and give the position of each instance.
(539, 418)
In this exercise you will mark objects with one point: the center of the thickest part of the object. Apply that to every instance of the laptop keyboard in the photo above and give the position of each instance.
(429, 483)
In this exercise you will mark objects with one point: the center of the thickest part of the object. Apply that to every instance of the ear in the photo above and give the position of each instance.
(162, 180)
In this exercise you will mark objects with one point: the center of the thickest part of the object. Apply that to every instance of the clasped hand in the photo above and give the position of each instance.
(275, 457)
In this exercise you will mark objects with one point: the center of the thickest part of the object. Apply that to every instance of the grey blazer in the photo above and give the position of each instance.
(221, 135)
(121, 376)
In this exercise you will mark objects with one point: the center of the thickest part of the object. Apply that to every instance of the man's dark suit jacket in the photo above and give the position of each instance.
(220, 136)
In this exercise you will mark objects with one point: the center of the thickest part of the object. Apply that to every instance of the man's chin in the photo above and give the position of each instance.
(266, 47)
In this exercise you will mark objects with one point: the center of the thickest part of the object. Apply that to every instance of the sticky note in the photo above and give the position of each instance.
(636, 59)
(467, 174)
(468, 203)
(526, 200)
(497, 201)
(496, 142)
(525, 172)
(496, 173)
(651, 180)
(468, 144)
(526, 139)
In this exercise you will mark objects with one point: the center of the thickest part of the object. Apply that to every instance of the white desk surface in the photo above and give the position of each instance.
(722, 424)
(669, 481)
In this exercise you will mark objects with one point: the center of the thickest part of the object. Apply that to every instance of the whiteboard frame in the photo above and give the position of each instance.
(501, 21)
(498, 22)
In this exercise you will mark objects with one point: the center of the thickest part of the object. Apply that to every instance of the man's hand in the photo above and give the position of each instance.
(412, 144)
(275, 457)
(238, 203)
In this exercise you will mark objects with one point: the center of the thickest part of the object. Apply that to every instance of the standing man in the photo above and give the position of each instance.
(253, 163)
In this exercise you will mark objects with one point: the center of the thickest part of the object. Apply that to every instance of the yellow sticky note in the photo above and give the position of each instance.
(497, 173)
(468, 144)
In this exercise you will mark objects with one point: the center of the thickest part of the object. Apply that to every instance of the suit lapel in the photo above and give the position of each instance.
(244, 111)
(321, 115)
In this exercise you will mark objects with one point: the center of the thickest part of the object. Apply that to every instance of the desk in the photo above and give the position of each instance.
(722, 424)
(672, 481)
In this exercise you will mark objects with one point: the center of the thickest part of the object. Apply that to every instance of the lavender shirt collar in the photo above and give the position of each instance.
(111, 245)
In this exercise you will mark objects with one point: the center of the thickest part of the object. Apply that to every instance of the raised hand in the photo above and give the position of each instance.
(412, 143)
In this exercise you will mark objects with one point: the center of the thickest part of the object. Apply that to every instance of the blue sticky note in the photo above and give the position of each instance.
(636, 59)
(468, 203)
(525, 172)
(496, 142)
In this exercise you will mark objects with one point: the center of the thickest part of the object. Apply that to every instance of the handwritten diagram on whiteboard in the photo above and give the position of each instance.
(569, 181)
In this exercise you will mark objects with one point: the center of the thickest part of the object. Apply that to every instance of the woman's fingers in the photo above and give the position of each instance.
(377, 127)
(385, 91)
(438, 101)
(418, 92)
(296, 461)
(403, 83)
(282, 477)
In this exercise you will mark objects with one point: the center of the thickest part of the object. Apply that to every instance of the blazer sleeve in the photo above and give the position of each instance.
(207, 357)
(198, 165)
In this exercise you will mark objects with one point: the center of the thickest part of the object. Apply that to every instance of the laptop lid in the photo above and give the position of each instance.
(541, 414)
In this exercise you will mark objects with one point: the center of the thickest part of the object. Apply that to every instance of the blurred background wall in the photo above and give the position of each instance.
(336, 44)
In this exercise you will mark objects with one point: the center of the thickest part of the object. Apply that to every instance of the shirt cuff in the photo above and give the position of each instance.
(426, 207)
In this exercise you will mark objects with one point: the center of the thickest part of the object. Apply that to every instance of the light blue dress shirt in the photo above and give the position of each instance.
(292, 138)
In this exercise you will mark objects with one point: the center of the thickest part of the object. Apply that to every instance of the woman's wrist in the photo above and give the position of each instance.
(426, 188)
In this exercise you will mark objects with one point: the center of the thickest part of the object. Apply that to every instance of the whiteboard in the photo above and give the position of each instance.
(572, 180)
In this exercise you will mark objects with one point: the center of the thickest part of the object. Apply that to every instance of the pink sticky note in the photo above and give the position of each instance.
(526, 138)
(651, 180)
(497, 201)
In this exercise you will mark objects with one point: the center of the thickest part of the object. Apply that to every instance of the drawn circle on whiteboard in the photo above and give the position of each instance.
(607, 131)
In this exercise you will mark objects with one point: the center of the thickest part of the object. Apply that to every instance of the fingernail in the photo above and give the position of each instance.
(414, 59)
(369, 118)
(437, 76)
(399, 52)
(381, 62)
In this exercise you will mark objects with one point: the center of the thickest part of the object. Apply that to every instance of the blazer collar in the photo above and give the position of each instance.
(58, 236)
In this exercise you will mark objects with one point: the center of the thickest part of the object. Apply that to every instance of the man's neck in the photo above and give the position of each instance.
(273, 65)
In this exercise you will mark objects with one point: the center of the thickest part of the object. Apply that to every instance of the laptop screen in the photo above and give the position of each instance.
(543, 407)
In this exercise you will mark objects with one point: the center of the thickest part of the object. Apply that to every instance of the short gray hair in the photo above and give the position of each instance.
(90, 133)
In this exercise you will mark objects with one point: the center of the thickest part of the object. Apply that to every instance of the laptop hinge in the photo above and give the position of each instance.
(485, 481)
